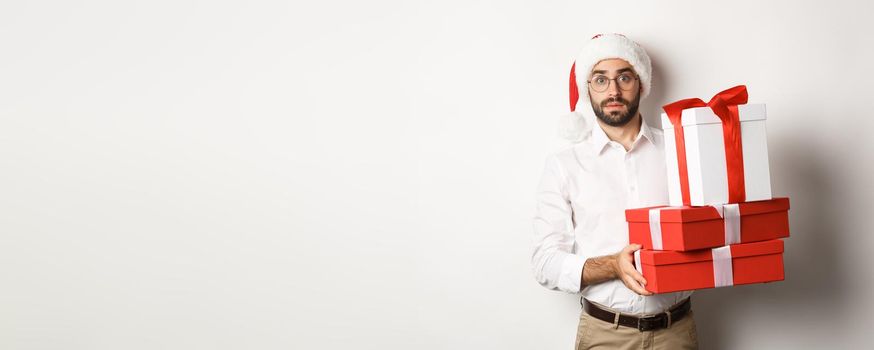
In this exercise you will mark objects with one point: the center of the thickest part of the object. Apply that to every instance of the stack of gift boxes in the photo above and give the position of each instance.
(722, 227)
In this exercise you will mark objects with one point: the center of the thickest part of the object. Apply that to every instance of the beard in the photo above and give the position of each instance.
(617, 118)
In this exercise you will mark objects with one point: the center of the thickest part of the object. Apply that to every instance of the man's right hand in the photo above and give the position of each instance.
(625, 271)
(619, 265)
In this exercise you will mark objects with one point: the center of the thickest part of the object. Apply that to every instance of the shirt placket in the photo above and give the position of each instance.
(632, 186)
(631, 180)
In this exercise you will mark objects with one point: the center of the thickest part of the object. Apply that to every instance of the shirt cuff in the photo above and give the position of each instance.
(571, 273)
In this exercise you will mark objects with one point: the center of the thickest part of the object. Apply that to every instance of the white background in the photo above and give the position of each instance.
(361, 174)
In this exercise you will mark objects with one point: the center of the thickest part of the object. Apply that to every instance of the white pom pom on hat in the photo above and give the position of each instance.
(575, 126)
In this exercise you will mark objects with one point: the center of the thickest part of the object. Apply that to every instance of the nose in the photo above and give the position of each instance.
(613, 89)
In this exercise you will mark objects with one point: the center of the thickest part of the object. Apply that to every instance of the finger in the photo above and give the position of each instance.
(631, 248)
(638, 277)
(630, 267)
(634, 286)
(632, 272)
(641, 287)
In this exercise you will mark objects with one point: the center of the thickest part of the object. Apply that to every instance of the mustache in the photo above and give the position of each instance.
(614, 100)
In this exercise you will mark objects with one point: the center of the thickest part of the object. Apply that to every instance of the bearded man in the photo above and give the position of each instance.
(616, 162)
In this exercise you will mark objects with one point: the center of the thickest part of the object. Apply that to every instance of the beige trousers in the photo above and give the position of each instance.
(596, 334)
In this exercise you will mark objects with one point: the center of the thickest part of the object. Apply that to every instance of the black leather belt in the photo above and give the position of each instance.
(644, 323)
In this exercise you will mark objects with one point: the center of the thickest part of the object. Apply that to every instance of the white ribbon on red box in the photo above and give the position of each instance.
(655, 227)
(730, 214)
(637, 264)
(723, 275)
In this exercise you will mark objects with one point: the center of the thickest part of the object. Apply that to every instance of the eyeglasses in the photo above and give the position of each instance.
(600, 83)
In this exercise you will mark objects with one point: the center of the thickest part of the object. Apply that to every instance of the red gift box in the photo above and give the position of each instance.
(747, 263)
(691, 228)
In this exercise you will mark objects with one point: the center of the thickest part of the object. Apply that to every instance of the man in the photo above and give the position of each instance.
(581, 237)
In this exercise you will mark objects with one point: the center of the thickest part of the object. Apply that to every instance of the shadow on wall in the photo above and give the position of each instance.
(816, 278)
(814, 285)
(651, 106)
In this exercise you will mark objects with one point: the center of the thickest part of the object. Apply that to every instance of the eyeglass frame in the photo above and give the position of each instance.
(613, 80)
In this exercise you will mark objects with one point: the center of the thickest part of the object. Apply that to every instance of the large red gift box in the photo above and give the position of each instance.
(691, 228)
(747, 263)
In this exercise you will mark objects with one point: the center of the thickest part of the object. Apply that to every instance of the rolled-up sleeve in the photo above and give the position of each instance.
(555, 265)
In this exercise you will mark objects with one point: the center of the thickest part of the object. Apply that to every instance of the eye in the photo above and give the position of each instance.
(625, 78)
(600, 80)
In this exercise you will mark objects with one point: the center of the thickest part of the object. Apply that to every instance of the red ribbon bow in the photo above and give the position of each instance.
(724, 105)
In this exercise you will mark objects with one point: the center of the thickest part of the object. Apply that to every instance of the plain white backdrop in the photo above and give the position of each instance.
(333, 175)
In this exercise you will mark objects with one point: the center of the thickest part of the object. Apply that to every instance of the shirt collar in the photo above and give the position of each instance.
(600, 139)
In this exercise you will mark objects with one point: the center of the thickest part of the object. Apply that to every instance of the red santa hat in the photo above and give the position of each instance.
(575, 126)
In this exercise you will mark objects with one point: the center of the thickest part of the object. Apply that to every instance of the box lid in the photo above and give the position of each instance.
(668, 257)
(705, 115)
(692, 214)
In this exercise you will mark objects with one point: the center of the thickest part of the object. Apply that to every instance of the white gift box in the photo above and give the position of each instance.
(705, 156)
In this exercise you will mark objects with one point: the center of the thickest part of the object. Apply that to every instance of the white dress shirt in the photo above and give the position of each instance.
(581, 202)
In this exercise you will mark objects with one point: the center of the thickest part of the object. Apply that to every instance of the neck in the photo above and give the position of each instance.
(625, 134)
